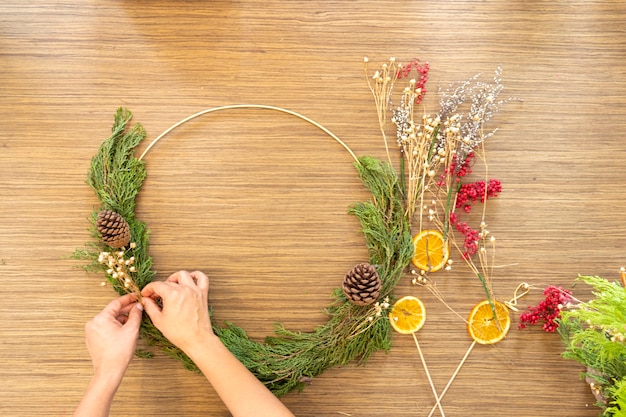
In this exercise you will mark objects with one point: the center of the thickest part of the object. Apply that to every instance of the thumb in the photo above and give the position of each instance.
(134, 317)
(152, 309)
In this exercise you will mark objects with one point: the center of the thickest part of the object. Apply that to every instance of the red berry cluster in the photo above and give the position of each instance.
(469, 193)
(548, 310)
(459, 170)
(422, 69)
(471, 237)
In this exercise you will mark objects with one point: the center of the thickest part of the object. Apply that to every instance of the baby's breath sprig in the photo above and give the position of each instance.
(379, 308)
(120, 269)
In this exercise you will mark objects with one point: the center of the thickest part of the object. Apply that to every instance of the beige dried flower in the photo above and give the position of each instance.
(120, 269)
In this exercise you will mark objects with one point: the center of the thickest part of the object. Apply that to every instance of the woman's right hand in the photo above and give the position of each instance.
(184, 318)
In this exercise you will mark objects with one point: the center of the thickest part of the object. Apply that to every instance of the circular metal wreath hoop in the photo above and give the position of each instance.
(289, 359)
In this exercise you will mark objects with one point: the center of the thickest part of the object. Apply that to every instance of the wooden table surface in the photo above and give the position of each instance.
(259, 199)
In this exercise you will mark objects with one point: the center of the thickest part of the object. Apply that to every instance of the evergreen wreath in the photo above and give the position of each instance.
(435, 151)
(289, 359)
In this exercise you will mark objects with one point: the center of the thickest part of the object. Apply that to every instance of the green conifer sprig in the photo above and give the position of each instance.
(594, 334)
(383, 221)
(116, 177)
(288, 359)
(617, 402)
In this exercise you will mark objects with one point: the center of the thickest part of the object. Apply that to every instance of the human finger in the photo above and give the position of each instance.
(152, 310)
(122, 319)
(181, 277)
(202, 281)
(126, 309)
(119, 303)
(133, 320)
(156, 289)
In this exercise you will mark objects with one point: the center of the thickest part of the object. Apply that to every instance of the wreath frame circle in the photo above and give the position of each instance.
(288, 359)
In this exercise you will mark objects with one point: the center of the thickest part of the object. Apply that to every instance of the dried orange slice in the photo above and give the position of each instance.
(431, 251)
(486, 329)
(407, 315)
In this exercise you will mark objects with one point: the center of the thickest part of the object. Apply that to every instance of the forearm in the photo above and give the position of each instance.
(239, 389)
(99, 395)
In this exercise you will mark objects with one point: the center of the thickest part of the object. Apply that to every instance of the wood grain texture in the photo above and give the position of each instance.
(258, 199)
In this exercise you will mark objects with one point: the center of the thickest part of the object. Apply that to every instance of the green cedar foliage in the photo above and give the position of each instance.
(593, 333)
(116, 177)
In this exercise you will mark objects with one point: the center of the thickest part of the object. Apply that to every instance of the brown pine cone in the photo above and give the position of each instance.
(362, 285)
(113, 229)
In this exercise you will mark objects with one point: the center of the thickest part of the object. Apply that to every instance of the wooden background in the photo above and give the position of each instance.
(258, 199)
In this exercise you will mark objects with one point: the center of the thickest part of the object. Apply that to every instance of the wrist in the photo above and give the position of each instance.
(199, 346)
(107, 380)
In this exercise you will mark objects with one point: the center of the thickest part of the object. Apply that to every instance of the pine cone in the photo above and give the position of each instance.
(113, 229)
(362, 285)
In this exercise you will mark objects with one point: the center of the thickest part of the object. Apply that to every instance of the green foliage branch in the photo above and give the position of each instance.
(116, 177)
(289, 359)
(594, 335)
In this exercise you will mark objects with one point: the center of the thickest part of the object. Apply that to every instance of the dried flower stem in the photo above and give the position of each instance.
(425, 153)
(381, 85)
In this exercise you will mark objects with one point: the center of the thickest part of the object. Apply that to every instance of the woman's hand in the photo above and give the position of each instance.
(112, 335)
(111, 341)
(184, 318)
